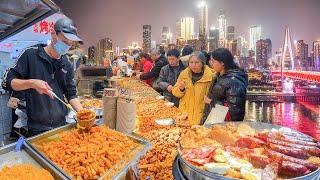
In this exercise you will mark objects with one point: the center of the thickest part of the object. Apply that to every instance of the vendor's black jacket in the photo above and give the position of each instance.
(34, 63)
(229, 89)
(155, 71)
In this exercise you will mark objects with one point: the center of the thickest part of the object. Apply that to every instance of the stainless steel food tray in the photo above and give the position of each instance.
(115, 171)
(26, 155)
(192, 172)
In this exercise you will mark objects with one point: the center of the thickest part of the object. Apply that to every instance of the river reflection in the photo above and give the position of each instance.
(304, 117)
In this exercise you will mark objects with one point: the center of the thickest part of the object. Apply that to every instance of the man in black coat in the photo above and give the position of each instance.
(41, 70)
(169, 75)
(159, 61)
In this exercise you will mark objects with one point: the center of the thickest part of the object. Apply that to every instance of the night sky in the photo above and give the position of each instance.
(122, 20)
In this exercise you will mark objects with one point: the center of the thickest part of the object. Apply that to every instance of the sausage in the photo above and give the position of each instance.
(296, 141)
(291, 169)
(305, 163)
(259, 161)
(312, 150)
(290, 151)
(278, 136)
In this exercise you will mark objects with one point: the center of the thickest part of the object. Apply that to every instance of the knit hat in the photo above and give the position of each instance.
(200, 56)
(187, 50)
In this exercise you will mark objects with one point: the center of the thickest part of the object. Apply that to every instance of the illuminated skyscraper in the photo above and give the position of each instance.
(146, 35)
(185, 28)
(242, 46)
(203, 25)
(91, 52)
(230, 33)
(301, 53)
(213, 38)
(255, 35)
(316, 54)
(263, 54)
(164, 35)
(203, 19)
(222, 25)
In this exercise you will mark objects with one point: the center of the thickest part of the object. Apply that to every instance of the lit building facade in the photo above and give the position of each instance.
(146, 35)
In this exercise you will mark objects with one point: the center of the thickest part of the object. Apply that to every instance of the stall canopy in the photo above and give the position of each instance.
(17, 15)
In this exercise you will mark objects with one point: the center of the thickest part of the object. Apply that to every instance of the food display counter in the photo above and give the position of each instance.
(168, 160)
(176, 150)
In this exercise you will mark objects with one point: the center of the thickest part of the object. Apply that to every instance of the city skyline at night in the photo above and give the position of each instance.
(122, 20)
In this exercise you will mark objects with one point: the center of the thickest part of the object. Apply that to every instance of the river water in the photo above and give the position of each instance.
(302, 116)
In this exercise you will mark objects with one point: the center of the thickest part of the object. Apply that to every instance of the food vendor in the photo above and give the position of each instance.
(41, 70)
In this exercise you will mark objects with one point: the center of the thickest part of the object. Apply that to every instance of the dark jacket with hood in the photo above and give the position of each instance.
(230, 90)
(43, 112)
(168, 76)
(155, 71)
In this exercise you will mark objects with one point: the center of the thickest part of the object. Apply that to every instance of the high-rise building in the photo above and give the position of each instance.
(312, 63)
(242, 46)
(277, 57)
(195, 44)
(233, 47)
(164, 35)
(255, 35)
(109, 44)
(153, 44)
(203, 19)
(287, 61)
(104, 48)
(269, 50)
(316, 54)
(146, 35)
(230, 33)
(185, 28)
(301, 53)
(91, 53)
(213, 38)
(263, 54)
(222, 25)
(109, 50)
(203, 25)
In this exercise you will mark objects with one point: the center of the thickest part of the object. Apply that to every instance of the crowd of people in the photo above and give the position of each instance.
(197, 81)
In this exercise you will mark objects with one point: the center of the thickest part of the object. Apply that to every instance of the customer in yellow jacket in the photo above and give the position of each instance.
(192, 86)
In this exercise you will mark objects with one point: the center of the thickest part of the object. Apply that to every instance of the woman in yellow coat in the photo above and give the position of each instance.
(192, 86)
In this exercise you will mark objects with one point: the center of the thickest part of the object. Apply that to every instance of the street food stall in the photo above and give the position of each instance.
(148, 137)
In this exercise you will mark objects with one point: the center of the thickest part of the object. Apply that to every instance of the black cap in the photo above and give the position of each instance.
(68, 29)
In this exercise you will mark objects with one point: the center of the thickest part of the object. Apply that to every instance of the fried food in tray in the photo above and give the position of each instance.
(24, 171)
(89, 103)
(158, 109)
(86, 115)
(245, 152)
(157, 163)
(88, 155)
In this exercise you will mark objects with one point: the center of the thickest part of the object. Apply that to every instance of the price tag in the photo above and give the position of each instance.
(124, 92)
(110, 92)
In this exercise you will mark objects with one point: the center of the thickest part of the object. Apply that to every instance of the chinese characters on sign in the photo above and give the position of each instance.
(43, 27)
(6, 46)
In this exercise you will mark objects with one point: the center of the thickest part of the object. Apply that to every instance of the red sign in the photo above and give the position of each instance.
(43, 27)
(7, 46)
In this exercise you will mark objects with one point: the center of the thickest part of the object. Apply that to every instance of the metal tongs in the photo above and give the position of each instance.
(68, 105)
